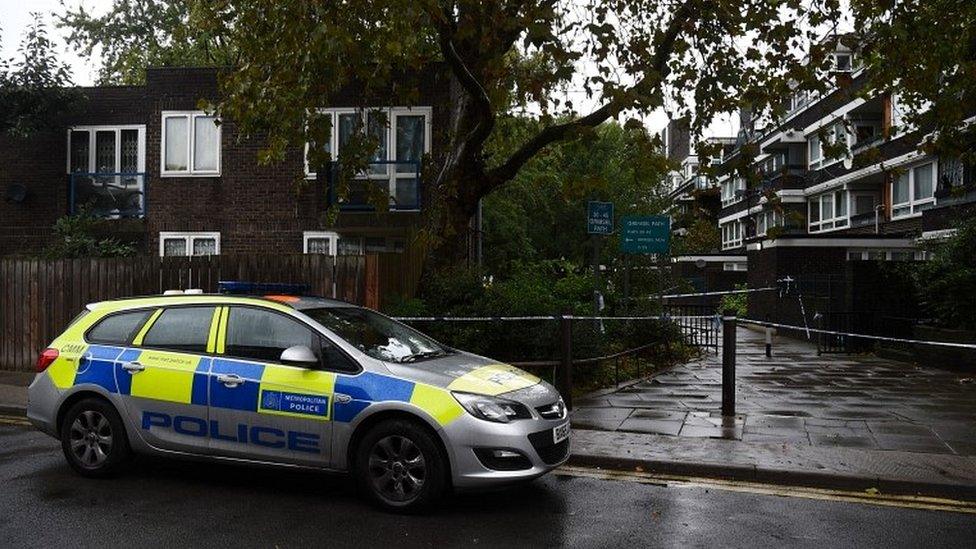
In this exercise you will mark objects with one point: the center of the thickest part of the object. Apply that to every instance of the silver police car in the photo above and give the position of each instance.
(297, 381)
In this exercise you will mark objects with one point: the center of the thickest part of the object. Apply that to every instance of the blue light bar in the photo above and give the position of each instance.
(261, 288)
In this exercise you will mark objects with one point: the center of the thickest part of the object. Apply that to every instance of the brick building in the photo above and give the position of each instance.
(174, 182)
(823, 223)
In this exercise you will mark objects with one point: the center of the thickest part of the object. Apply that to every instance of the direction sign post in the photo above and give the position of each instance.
(599, 217)
(645, 234)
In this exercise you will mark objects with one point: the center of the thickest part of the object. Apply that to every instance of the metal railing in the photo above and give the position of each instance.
(119, 195)
(398, 181)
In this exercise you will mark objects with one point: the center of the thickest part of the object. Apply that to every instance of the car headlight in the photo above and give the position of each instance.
(491, 408)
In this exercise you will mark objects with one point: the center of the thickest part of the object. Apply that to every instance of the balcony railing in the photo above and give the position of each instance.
(866, 219)
(108, 195)
(399, 182)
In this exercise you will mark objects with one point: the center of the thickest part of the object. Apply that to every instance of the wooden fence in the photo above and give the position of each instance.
(38, 298)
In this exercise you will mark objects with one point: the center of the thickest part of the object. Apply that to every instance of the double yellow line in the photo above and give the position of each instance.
(871, 497)
(14, 420)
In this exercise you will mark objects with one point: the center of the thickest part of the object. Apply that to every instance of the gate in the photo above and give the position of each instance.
(699, 325)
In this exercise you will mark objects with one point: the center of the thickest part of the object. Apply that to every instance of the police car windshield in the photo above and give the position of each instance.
(377, 335)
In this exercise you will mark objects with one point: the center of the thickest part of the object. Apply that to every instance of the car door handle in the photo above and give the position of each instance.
(133, 367)
(230, 380)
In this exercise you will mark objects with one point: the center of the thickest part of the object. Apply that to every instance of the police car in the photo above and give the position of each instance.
(291, 380)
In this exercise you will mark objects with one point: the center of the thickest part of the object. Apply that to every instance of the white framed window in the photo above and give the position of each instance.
(174, 244)
(732, 234)
(836, 132)
(319, 242)
(886, 255)
(913, 190)
(828, 211)
(843, 62)
(734, 266)
(107, 149)
(190, 144)
(731, 188)
(404, 138)
(350, 245)
(767, 220)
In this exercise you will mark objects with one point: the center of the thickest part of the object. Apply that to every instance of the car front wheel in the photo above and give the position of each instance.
(399, 465)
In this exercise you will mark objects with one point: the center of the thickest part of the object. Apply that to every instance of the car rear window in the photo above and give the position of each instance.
(118, 329)
(181, 329)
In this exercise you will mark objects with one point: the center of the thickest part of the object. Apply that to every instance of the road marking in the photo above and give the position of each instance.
(822, 494)
(13, 420)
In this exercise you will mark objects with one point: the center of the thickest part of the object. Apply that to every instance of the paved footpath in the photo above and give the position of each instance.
(799, 415)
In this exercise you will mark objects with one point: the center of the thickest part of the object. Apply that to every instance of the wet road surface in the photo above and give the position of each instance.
(161, 503)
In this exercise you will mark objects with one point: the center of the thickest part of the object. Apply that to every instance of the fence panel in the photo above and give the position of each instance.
(38, 298)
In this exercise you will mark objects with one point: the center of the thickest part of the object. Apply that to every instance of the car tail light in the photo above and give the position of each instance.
(45, 359)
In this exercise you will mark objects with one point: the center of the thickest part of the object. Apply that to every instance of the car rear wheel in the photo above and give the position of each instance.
(93, 438)
(399, 465)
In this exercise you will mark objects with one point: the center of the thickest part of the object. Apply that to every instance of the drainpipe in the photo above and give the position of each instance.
(877, 218)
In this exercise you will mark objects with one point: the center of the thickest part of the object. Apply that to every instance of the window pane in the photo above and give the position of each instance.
(181, 329)
(863, 203)
(204, 246)
(923, 182)
(176, 134)
(349, 124)
(377, 129)
(263, 335)
(826, 207)
(105, 151)
(814, 210)
(814, 145)
(409, 142)
(319, 245)
(899, 190)
(79, 152)
(206, 144)
(350, 246)
(840, 204)
(118, 329)
(129, 163)
(174, 247)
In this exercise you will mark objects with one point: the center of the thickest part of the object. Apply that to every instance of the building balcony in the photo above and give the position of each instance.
(396, 183)
(108, 195)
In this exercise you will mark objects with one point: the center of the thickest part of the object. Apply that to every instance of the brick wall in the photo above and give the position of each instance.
(257, 209)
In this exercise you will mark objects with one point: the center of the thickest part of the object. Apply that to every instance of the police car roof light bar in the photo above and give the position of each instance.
(261, 288)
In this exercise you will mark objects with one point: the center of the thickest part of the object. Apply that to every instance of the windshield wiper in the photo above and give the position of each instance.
(425, 355)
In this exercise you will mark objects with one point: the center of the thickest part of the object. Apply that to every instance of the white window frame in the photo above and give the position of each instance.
(332, 236)
(833, 223)
(822, 161)
(914, 206)
(141, 161)
(732, 234)
(737, 266)
(392, 114)
(190, 117)
(734, 184)
(189, 237)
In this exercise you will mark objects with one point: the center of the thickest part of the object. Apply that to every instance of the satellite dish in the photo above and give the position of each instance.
(700, 263)
(848, 162)
(16, 193)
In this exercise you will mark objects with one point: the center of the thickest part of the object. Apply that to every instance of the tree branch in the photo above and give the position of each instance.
(559, 132)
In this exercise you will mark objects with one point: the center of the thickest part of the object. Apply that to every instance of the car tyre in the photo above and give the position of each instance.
(93, 438)
(400, 466)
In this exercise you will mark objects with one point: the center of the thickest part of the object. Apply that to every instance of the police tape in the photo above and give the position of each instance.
(545, 317)
(725, 292)
(862, 336)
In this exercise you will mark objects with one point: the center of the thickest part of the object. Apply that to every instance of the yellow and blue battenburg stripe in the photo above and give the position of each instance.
(265, 388)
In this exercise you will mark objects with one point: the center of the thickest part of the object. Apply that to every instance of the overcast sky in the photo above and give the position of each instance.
(15, 15)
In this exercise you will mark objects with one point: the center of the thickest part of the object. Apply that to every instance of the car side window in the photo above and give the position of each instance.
(334, 359)
(118, 329)
(181, 329)
(263, 335)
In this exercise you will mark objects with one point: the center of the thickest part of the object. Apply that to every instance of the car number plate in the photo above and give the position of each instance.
(560, 433)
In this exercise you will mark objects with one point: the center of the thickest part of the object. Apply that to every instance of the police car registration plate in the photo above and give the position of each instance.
(560, 433)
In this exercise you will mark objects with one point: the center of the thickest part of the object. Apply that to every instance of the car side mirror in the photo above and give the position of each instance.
(299, 355)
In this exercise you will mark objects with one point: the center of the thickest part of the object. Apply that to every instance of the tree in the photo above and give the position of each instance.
(541, 214)
(925, 51)
(34, 90)
(136, 34)
(700, 56)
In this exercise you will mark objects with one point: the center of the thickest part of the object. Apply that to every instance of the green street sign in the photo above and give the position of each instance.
(645, 234)
(599, 217)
